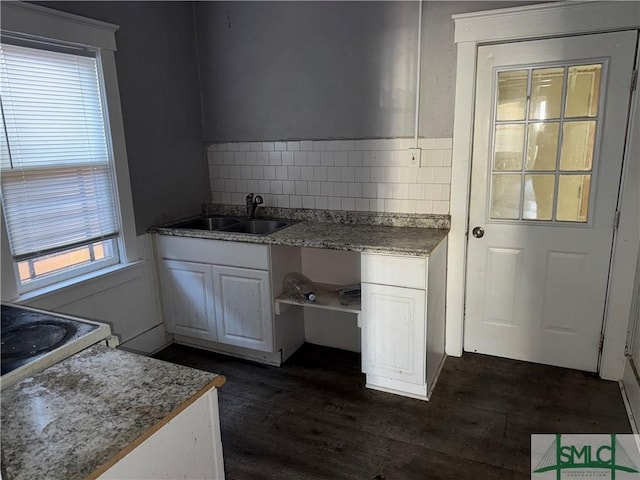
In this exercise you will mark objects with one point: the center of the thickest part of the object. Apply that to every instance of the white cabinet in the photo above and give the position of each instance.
(217, 291)
(403, 321)
(187, 446)
(393, 332)
(187, 292)
(243, 307)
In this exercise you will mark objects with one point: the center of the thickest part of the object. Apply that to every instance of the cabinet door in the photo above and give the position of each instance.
(243, 307)
(394, 332)
(187, 295)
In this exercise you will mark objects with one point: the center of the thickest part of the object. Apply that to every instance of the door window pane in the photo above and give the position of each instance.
(512, 95)
(505, 197)
(573, 198)
(583, 91)
(509, 145)
(542, 146)
(546, 93)
(578, 143)
(538, 197)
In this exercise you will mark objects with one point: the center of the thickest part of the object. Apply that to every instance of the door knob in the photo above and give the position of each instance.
(478, 232)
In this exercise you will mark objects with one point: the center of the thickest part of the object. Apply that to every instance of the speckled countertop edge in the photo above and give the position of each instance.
(74, 417)
(381, 236)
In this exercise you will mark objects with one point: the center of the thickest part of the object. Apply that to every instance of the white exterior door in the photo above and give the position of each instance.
(243, 307)
(549, 137)
(187, 294)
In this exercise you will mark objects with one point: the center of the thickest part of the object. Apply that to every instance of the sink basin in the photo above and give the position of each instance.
(207, 223)
(235, 225)
(256, 227)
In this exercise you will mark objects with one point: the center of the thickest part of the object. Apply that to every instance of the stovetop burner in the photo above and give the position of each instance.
(27, 335)
(28, 340)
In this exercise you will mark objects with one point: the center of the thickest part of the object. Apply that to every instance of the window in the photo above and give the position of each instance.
(56, 171)
(67, 210)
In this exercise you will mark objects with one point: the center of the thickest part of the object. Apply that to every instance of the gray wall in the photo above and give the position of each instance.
(289, 70)
(160, 96)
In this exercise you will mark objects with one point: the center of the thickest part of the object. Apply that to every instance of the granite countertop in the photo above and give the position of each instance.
(74, 417)
(389, 235)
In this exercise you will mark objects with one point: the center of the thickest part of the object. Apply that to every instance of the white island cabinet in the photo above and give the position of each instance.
(217, 291)
(187, 446)
(403, 309)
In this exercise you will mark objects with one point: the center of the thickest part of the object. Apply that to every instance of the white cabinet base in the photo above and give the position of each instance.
(406, 389)
(267, 358)
(187, 446)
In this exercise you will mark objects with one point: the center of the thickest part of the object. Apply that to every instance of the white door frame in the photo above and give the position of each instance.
(529, 23)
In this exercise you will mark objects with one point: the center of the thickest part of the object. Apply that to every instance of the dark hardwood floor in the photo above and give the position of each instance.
(313, 418)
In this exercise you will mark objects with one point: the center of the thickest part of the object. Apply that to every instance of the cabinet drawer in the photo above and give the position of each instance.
(217, 252)
(397, 270)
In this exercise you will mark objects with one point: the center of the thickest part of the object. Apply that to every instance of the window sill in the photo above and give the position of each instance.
(85, 285)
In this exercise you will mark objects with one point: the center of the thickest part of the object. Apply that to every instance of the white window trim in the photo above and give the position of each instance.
(534, 22)
(46, 24)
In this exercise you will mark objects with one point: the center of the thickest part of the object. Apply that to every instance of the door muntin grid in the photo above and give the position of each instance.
(545, 128)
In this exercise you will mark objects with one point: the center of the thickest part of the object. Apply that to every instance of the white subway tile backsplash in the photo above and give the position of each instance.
(348, 204)
(308, 202)
(294, 173)
(334, 203)
(314, 188)
(341, 189)
(327, 189)
(319, 145)
(347, 174)
(270, 172)
(288, 187)
(300, 158)
(306, 173)
(275, 158)
(276, 186)
(283, 201)
(314, 159)
(327, 159)
(355, 190)
(295, 201)
(301, 187)
(363, 175)
(320, 173)
(321, 203)
(281, 173)
(376, 205)
(362, 204)
(355, 159)
(341, 159)
(347, 145)
(443, 143)
(369, 190)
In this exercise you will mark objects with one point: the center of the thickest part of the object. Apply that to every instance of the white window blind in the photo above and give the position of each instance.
(55, 169)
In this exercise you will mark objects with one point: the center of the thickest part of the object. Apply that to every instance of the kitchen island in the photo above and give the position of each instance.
(101, 414)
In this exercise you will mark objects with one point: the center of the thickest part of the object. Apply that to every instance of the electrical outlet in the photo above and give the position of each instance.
(414, 157)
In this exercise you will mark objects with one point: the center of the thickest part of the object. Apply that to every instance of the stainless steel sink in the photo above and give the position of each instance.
(257, 227)
(207, 223)
(235, 225)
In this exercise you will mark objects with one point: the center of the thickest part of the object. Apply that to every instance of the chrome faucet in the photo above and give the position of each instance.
(252, 204)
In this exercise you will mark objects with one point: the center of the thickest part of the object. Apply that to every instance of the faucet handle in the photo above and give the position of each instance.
(249, 197)
(258, 200)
